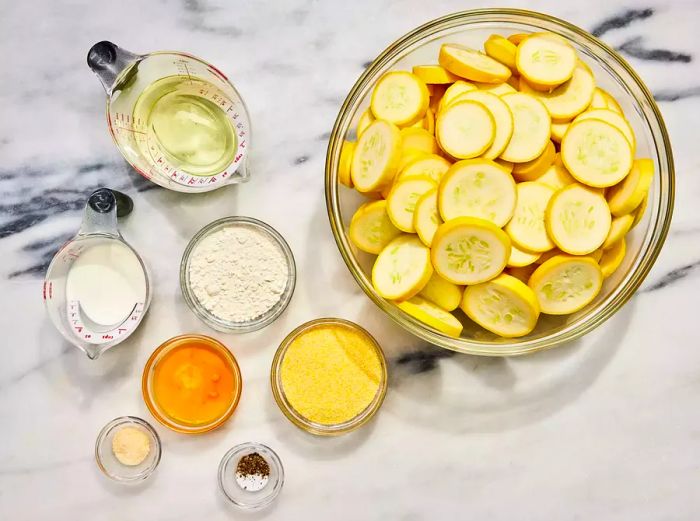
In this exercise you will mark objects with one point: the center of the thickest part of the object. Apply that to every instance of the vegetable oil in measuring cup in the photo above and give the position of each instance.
(189, 129)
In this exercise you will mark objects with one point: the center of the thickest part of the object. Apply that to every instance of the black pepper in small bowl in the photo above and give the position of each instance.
(252, 472)
(251, 475)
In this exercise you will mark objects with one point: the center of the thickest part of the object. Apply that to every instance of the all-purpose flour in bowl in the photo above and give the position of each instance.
(238, 271)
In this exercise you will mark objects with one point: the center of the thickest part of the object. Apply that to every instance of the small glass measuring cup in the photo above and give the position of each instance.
(174, 117)
(99, 227)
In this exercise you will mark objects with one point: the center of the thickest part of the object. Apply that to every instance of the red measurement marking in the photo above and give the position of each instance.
(224, 174)
(79, 329)
(238, 157)
(107, 337)
(217, 71)
(88, 335)
(121, 330)
(213, 179)
(191, 181)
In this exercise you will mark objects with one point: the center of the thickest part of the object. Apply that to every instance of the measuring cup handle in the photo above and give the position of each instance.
(107, 61)
(101, 211)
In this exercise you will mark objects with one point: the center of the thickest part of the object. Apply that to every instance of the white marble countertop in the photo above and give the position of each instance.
(606, 428)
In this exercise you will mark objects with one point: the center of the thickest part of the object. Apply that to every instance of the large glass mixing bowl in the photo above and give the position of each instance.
(613, 74)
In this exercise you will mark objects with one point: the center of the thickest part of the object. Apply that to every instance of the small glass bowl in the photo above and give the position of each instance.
(303, 422)
(149, 372)
(206, 316)
(110, 465)
(247, 499)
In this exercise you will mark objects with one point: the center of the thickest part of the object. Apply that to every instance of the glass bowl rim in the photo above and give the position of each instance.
(147, 377)
(318, 428)
(266, 318)
(619, 296)
(122, 420)
(275, 462)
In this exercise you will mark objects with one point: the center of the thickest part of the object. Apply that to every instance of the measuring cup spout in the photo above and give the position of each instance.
(101, 212)
(108, 60)
(93, 352)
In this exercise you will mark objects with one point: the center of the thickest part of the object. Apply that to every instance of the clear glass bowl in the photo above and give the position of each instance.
(212, 320)
(305, 423)
(149, 395)
(108, 462)
(248, 499)
(612, 73)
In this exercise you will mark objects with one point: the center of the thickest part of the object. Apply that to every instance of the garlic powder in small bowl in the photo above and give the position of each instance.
(237, 274)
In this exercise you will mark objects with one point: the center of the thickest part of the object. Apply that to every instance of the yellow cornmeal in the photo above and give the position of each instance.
(330, 374)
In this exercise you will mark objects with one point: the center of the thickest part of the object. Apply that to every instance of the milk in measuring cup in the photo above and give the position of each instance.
(107, 283)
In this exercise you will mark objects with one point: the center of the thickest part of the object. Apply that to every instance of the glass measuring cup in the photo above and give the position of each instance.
(175, 118)
(67, 313)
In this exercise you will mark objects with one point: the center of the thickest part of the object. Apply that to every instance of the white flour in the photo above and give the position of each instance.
(238, 273)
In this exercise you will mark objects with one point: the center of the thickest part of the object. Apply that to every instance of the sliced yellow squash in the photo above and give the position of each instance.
(546, 59)
(442, 293)
(578, 219)
(402, 268)
(624, 197)
(527, 227)
(502, 50)
(418, 139)
(365, 119)
(467, 250)
(502, 116)
(531, 170)
(565, 284)
(426, 217)
(345, 163)
(558, 130)
(616, 119)
(432, 315)
(453, 91)
(568, 99)
(432, 165)
(596, 153)
(477, 188)
(465, 129)
(400, 97)
(370, 228)
(618, 229)
(531, 127)
(434, 74)
(612, 258)
(556, 176)
(401, 202)
(505, 306)
(639, 212)
(519, 258)
(376, 156)
(471, 64)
